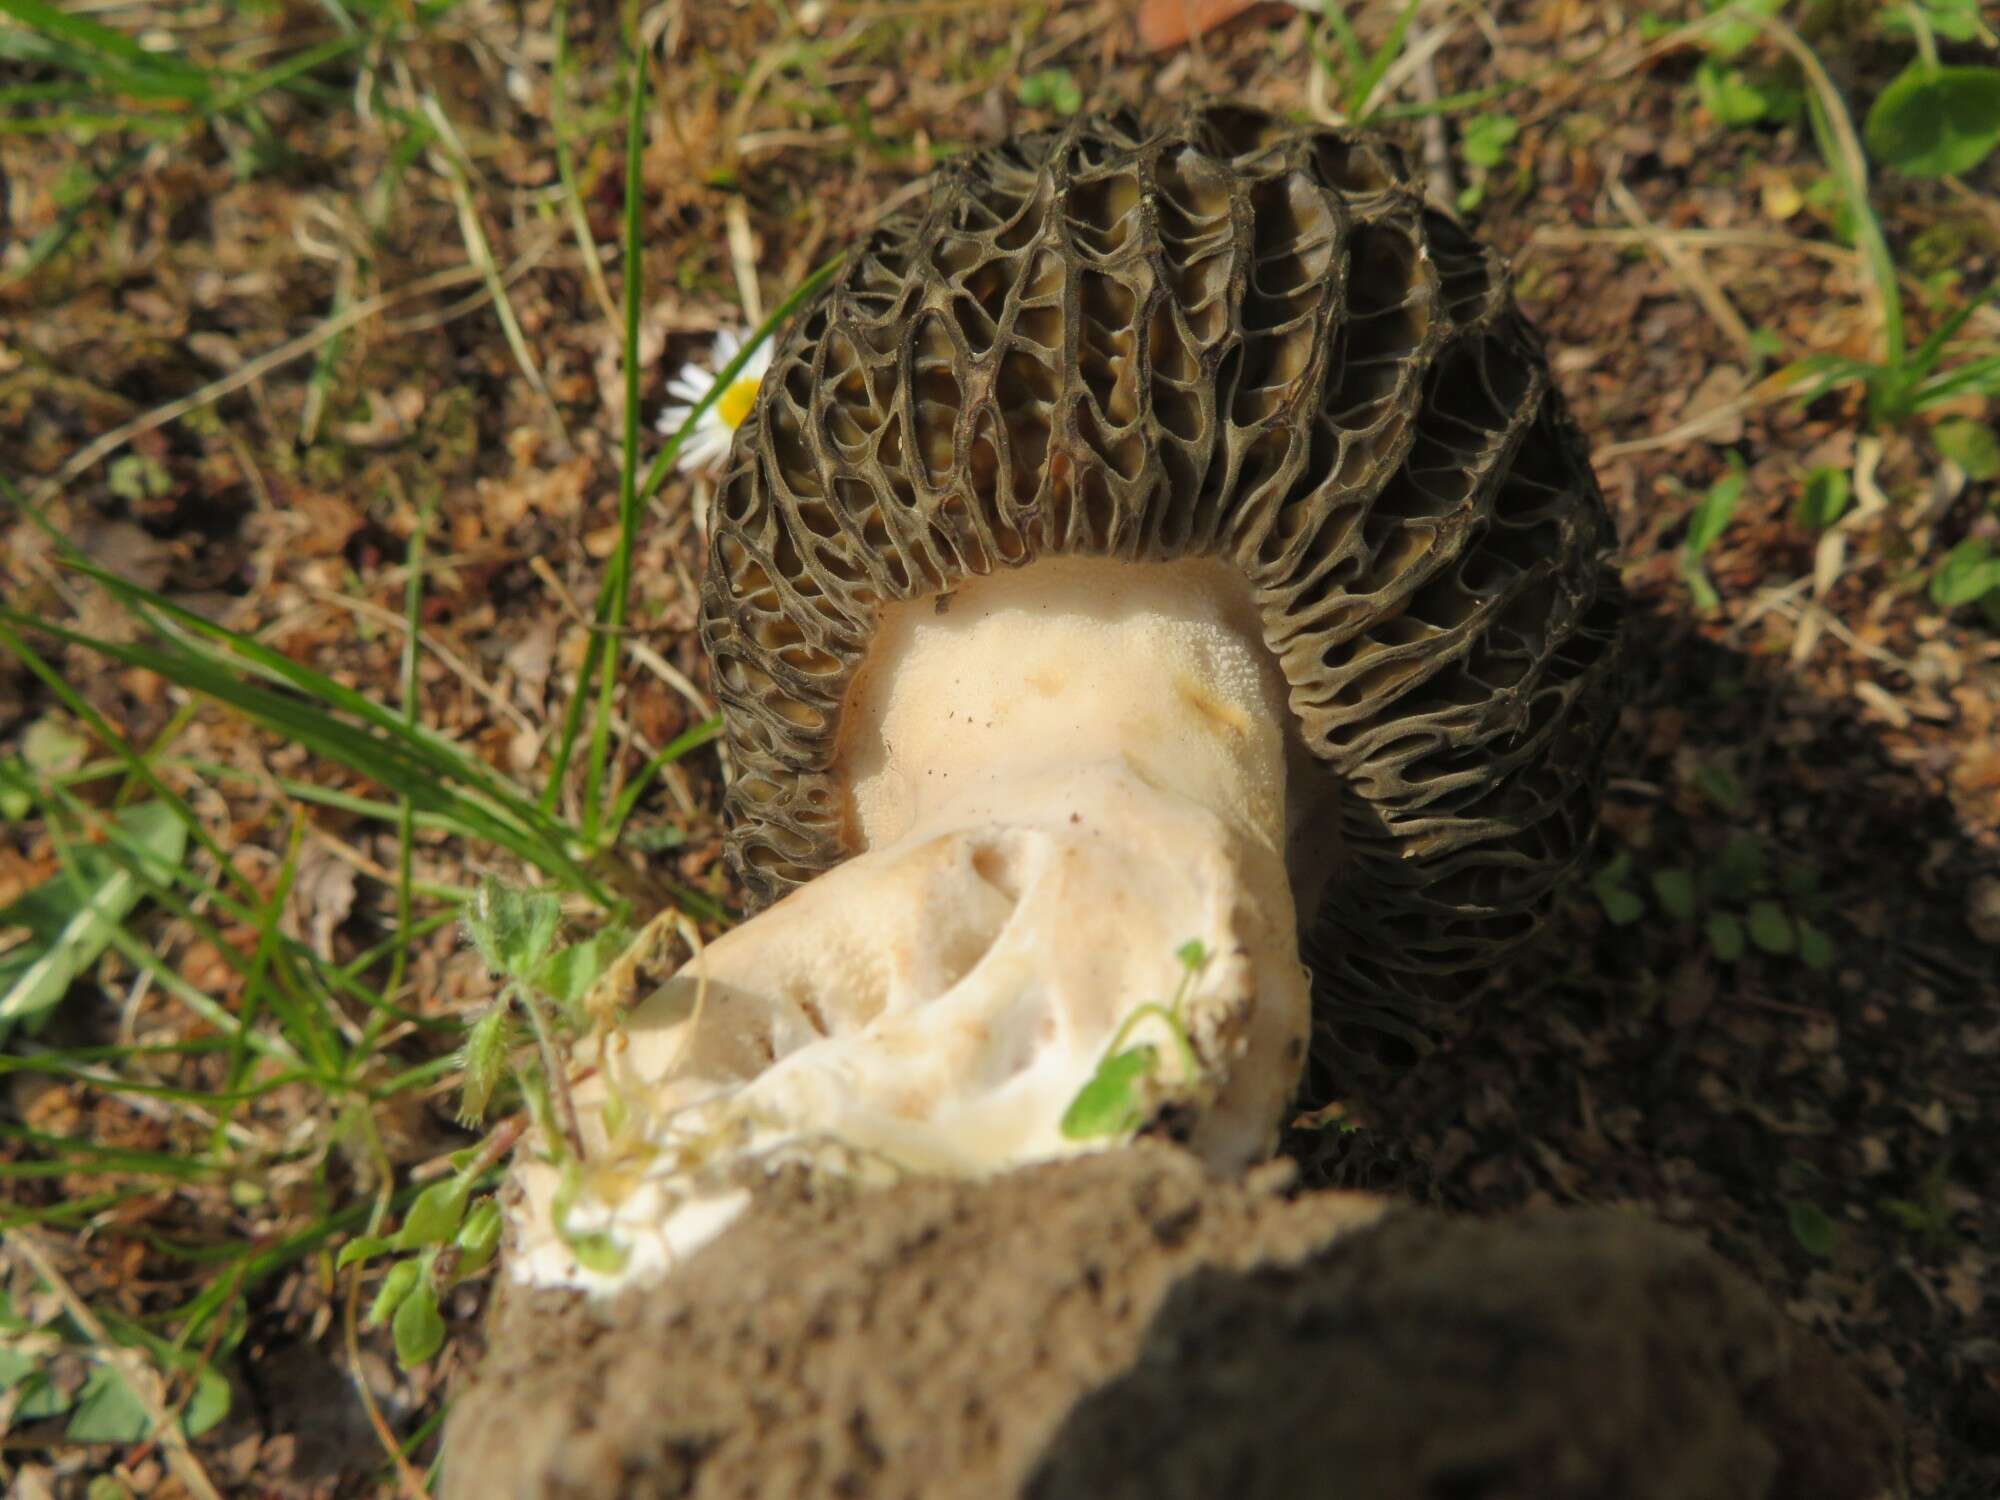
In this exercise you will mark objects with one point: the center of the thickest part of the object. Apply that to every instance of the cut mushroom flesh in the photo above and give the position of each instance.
(1070, 787)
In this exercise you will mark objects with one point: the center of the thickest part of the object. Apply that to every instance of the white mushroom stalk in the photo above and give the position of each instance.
(1070, 788)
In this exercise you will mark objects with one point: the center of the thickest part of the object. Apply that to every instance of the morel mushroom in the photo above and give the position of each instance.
(1170, 533)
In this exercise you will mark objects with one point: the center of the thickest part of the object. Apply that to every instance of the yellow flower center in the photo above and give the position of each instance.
(734, 404)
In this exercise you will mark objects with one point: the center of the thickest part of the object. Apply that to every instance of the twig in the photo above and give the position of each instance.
(743, 260)
(1442, 181)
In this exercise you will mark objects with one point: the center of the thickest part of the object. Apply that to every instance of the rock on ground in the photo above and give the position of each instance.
(1121, 1325)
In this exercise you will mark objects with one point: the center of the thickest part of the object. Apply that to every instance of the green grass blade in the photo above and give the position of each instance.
(618, 576)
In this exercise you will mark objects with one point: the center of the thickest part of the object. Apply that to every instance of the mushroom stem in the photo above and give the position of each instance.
(1059, 779)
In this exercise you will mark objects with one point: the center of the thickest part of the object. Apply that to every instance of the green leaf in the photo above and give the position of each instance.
(1911, 1216)
(136, 478)
(1675, 890)
(479, 1236)
(513, 929)
(485, 1060)
(363, 1248)
(1815, 947)
(15, 1367)
(435, 1216)
(72, 916)
(1109, 1103)
(39, 1398)
(1738, 96)
(1712, 516)
(597, 1251)
(1720, 786)
(51, 746)
(1741, 870)
(1770, 928)
(1725, 936)
(107, 1411)
(568, 974)
(396, 1286)
(1969, 444)
(1936, 121)
(1621, 907)
(1192, 954)
(1811, 1228)
(418, 1328)
(1734, 36)
(1052, 89)
(1485, 138)
(1954, 20)
(1968, 572)
(1825, 498)
(208, 1405)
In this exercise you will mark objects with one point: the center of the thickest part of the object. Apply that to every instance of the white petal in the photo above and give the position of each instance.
(704, 446)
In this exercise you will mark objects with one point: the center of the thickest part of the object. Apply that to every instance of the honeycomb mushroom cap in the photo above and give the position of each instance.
(1220, 335)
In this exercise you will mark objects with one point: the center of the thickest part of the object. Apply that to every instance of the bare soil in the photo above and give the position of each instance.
(1120, 1325)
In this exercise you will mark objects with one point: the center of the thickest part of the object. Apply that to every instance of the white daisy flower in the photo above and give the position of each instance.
(709, 442)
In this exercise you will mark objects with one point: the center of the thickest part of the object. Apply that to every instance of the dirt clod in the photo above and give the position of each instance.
(1122, 1325)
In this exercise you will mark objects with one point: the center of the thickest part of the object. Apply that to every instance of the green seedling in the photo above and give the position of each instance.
(1823, 499)
(1969, 574)
(1053, 89)
(1484, 140)
(1712, 515)
(1736, 901)
(1357, 70)
(1811, 1229)
(1927, 1214)
(1113, 1102)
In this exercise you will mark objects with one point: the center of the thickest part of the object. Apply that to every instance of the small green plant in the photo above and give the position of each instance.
(1053, 89)
(1969, 574)
(1712, 515)
(1823, 498)
(1355, 69)
(1736, 900)
(449, 1234)
(1113, 1101)
(1926, 1214)
(71, 918)
(1812, 1230)
(1934, 119)
(1484, 140)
